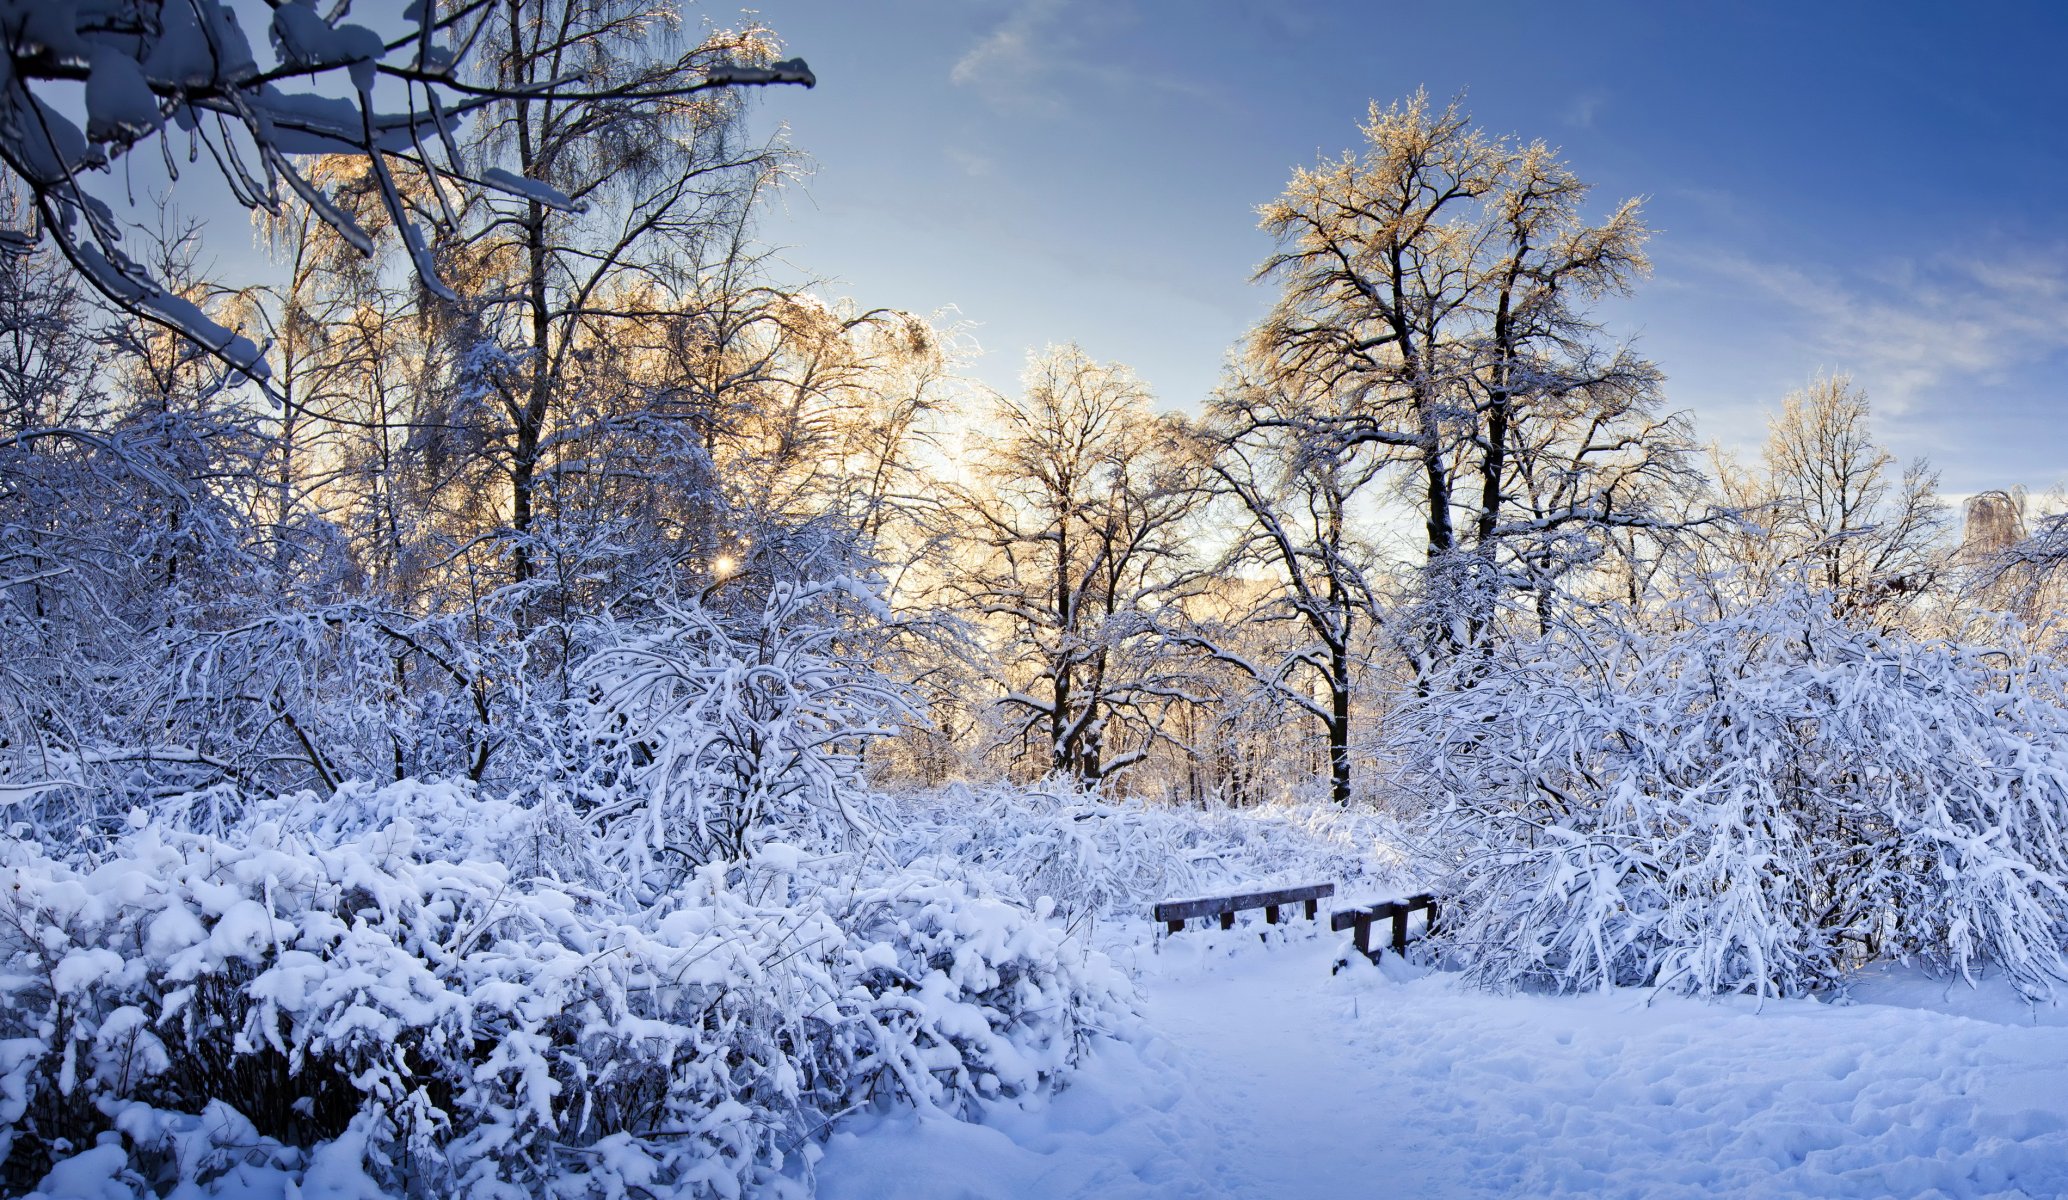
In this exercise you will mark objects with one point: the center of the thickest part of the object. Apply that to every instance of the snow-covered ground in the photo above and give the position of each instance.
(1264, 1076)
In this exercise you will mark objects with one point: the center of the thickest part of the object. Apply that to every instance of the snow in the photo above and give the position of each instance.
(119, 100)
(1270, 1077)
(692, 1045)
(788, 70)
(306, 39)
(89, 1176)
(921, 1003)
(518, 185)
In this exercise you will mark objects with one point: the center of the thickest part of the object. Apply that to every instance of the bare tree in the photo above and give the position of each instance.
(310, 318)
(1824, 502)
(1297, 501)
(1077, 543)
(1433, 291)
(657, 183)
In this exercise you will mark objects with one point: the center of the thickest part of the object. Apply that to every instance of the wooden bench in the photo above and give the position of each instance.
(1361, 920)
(1174, 913)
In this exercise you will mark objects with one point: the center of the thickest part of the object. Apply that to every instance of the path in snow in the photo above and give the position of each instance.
(1269, 1078)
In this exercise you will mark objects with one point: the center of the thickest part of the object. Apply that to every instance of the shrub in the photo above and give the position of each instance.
(198, 1011)
(1754, 804)
(1092, 857)
(719, 728)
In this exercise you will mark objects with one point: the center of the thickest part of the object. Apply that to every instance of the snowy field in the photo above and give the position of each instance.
(1219, 1064)
(1264, 1076)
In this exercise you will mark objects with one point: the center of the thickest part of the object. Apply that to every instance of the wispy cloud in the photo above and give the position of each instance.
(1007, 66)
(1045, 52)
(1916, 332)
(1581, 112)
(972, 164)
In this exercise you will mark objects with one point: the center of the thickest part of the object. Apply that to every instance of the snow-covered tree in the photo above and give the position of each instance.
(658, 177)
(1300, 504)
(1432, 294)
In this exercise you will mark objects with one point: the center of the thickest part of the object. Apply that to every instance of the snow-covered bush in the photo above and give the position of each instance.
(1752, 805)
(722, 727)
(1095, 858)
(111, 551)
(350, 1008)
(449, 821)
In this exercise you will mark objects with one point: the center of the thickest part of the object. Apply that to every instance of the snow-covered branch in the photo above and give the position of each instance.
(160, 69)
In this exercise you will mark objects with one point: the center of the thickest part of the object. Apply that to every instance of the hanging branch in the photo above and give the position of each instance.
(145, 63)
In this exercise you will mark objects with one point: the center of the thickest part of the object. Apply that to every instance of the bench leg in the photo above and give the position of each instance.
(1175, 926)
(1270, 914)
(1400, 932)
(1227, 920)
(1363, 928)
(1313, 910)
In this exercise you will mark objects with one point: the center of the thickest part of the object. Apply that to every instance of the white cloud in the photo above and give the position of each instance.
(1044, 52)
(973, 164)
(1009, 64)
(1584, 108)
(1915, 332)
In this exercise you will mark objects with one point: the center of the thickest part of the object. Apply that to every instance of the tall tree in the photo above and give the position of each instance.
(1433, 289)
(1297, 501)
(658, 177)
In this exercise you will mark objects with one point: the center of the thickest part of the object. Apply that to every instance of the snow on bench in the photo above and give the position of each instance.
(1361, 920)
(1174, 913)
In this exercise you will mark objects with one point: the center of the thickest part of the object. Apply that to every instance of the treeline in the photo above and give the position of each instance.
(415, 549)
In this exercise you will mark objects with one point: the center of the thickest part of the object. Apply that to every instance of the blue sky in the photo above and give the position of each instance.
(1873, 188)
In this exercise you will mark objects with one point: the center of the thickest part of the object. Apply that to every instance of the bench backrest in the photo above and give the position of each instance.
(1213, 906)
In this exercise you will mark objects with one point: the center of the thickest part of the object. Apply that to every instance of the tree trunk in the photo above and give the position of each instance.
(1339, 726)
